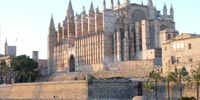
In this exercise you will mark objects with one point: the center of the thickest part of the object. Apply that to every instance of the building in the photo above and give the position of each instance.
(124, 32)
(7, 59)
(35, 55)
(42, 63)
(181, 51)
(10, 50)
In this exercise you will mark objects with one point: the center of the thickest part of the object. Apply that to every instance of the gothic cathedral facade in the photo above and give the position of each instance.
(124, 32)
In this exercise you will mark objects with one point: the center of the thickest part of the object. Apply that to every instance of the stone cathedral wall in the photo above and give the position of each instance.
(121, 65)
(125, 69)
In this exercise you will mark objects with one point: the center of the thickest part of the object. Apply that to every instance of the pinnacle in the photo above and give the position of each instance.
(52, 25)
(70, 5)
(91, 8)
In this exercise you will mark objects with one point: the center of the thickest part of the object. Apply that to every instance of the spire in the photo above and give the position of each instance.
(84, 13)
(91, 11)
(142, 2)
(70, 6)
(165, 7)
(150, 3)
(118, 2)
(6, 41)
(52, 25)
(104, 4)
(70, 12)
(111, 4)
(165, 10)
(171, 10)
(97, 9)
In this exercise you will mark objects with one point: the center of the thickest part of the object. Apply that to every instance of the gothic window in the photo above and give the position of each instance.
(138, 15)
(122, 44)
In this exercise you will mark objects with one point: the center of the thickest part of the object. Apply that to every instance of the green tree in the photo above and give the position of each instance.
(148, 87)
(26, 69)
(195, 73)
(156, 76)
(5, 72)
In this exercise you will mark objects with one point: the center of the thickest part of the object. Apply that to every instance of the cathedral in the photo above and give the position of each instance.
(124, 32)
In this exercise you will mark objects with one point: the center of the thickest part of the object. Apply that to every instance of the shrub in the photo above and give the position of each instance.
(89, 77)
(188, 98)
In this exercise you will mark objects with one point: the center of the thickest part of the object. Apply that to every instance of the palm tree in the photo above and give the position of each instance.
(155, 75)
(178, 77)
(148, 87)
(169, 78)
(196, 77)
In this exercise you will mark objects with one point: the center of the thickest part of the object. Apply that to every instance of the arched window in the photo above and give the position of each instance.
(138, 15)
(169, 36)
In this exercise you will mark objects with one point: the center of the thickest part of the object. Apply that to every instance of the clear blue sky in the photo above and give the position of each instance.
(25, 22)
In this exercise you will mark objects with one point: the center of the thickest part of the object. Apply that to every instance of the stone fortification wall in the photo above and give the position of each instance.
(72, 90)
(47, 90)
(5, 91)
(96, 89)
(113, 90)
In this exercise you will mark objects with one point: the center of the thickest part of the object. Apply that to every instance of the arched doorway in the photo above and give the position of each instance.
(71, 64)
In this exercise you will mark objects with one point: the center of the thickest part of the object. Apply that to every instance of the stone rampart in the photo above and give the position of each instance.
(72, 90)
(46, 90)
(112, 90)
(120, 89)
